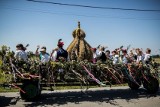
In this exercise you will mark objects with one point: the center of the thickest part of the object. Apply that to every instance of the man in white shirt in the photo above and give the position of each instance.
(59, 53)
(44, 56)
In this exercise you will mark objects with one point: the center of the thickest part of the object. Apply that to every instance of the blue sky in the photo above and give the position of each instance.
(25, 22)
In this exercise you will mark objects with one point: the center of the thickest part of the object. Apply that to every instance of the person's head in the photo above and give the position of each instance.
(131, 54)
(107, 52)
(19, 47)
(137, 50)
(43, 47)
(124, 51)
(93, 50)
(60, 43)
(102, 48)
(117, 50)
(43, 50)
(114, 52)
(148, 50)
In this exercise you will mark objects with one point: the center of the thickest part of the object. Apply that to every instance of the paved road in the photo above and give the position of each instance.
(101, 97)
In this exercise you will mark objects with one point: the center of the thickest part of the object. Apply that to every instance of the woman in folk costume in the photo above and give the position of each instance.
(20, 53)
(59, 53)
(101, 54)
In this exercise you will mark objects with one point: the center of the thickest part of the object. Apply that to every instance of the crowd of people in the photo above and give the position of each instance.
(100, 53)
(121, 55)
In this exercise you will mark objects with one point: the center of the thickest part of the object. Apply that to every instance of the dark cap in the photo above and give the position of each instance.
(43, 47)
(114, 51)
(60, 44)
(108, 51)
(124, 51)
(19, 45)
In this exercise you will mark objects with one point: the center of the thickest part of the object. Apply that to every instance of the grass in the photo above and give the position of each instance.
(5, 78)
(7, 89)
(157, 60)
(69, 87)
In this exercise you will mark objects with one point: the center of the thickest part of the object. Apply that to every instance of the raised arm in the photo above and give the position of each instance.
(37, 53)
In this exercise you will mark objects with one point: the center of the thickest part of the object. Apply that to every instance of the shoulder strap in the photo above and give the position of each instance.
(40, 56)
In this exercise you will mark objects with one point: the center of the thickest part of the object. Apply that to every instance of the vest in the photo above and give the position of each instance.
(62, 53)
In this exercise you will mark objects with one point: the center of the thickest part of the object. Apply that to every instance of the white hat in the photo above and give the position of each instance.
(42, 50)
